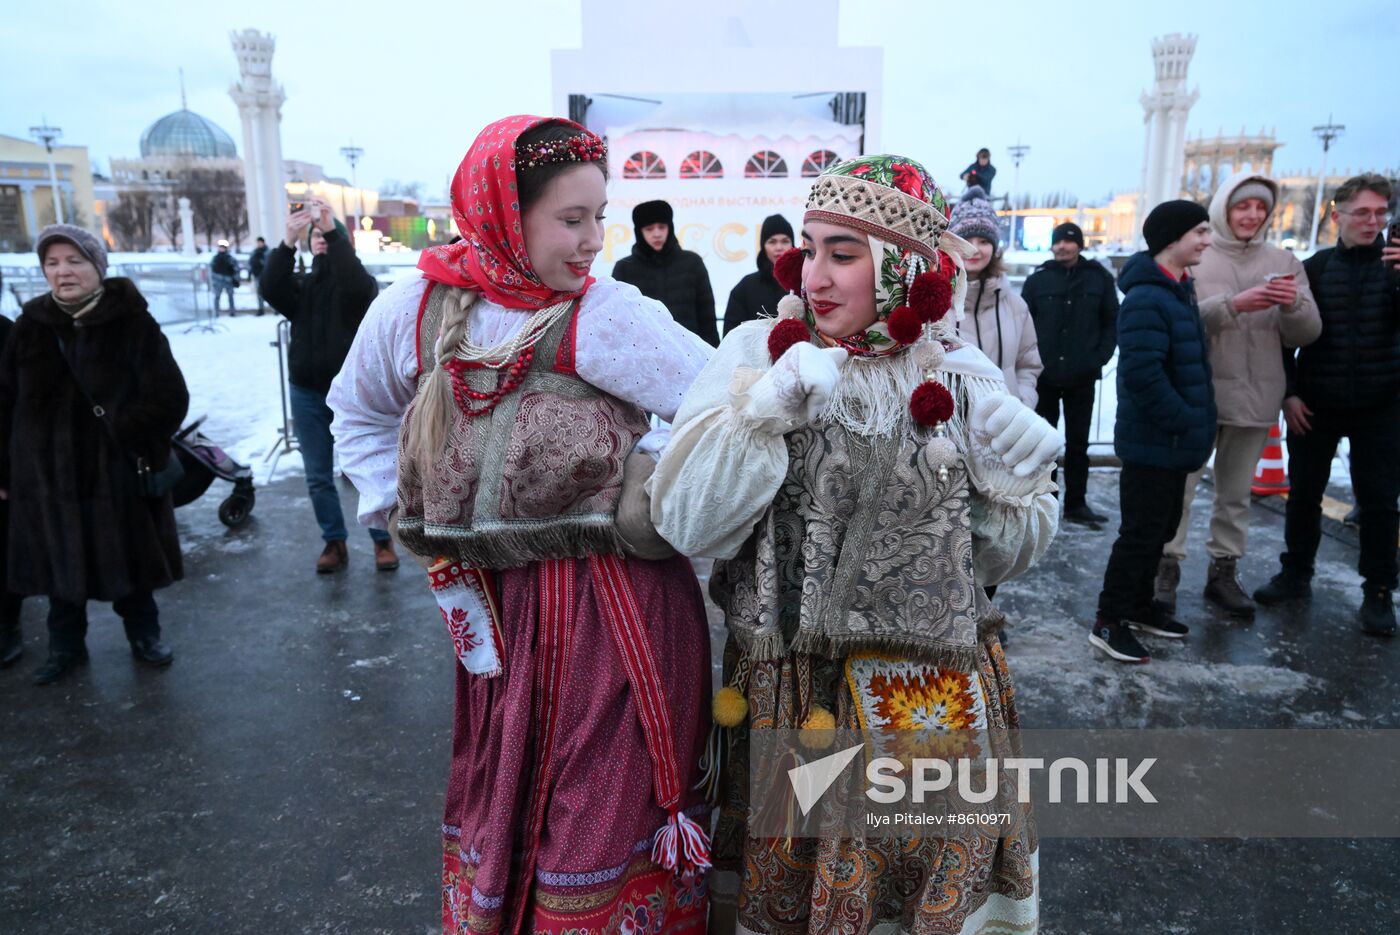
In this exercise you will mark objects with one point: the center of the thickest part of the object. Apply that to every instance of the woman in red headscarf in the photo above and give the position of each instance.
(520, 471)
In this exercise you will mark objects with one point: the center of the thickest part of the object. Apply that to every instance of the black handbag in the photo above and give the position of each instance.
(153, 484)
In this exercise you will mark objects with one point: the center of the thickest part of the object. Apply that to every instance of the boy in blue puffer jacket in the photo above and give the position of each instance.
(1165, 425)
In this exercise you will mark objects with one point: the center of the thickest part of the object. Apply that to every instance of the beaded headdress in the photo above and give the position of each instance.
(584, 148)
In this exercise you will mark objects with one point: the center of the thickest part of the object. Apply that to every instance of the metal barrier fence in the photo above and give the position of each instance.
(176, 292)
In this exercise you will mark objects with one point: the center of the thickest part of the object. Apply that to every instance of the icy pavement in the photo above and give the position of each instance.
(286, 774)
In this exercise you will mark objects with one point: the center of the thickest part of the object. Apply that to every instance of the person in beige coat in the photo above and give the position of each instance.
(1254, 301)
(996, 320)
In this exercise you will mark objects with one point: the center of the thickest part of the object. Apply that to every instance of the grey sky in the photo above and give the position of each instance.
(413, 83)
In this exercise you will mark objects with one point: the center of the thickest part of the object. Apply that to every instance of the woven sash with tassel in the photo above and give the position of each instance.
(680, 845)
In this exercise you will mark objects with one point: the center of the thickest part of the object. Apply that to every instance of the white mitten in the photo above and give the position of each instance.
(1025, 442)
(791, 392)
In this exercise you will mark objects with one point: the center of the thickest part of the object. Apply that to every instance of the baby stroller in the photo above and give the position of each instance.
(204, 461)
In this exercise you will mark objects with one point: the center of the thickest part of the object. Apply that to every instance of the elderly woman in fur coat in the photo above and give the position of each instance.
(87, 387)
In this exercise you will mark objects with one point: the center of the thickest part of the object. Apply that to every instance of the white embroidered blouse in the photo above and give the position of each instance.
(628, 345)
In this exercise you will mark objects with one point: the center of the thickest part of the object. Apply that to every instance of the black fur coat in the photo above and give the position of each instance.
(79, 527)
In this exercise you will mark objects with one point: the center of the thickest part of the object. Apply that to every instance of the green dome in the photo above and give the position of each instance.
(185, 133)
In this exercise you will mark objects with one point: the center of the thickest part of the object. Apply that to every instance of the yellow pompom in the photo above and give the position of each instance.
(816, 730)
(730, 707)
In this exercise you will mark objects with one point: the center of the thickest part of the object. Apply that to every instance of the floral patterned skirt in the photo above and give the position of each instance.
(917, 885)
(550, 808)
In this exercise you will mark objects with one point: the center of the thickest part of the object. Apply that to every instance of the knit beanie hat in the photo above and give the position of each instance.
(1253, 189)
(1169, 222)
(773, 225)
(1067, 231)
(88, 244)
(652, 212)
(974, 216)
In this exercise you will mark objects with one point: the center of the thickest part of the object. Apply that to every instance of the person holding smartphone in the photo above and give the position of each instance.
(1254, 303)
(325, 307)
(1347, 385)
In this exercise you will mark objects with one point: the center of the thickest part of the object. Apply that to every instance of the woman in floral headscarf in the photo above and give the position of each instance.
(863, 474)
(518, 476)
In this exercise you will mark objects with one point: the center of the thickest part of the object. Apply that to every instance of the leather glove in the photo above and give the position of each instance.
(639, 536)
(1025, 442)
(796, 388)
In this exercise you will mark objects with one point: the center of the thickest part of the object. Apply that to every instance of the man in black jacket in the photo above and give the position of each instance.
(1347, 385)
(663, 271)
(325, 308)
(257, 262)
(1074, 304)
(223, 276)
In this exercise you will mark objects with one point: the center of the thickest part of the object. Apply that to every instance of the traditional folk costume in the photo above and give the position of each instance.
(584, 671)
(855, 546)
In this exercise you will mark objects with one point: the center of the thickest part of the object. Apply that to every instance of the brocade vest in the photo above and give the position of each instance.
(537, 477)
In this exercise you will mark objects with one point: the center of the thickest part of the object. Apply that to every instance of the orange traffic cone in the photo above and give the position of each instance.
(1270, 476)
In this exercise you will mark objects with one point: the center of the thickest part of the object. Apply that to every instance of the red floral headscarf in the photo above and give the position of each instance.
(490, 258)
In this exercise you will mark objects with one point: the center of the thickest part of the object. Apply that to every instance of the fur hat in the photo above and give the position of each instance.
(88, 244)
(974, 216)
(652, 212)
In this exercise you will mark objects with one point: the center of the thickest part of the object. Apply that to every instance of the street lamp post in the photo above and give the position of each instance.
(1327, 132)
(1018, 153)
(47, 135)
(352, 154)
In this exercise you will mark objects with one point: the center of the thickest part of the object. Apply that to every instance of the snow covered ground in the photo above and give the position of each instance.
(232, 378)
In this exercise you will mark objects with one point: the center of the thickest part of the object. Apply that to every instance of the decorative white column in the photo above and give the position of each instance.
(1165, 111)
(259, 101)
(186, 228)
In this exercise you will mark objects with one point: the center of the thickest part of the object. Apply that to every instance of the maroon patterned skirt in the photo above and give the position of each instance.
(551, 810)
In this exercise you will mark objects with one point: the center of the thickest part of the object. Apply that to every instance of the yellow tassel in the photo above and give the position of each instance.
(817, 729)
(730, 707)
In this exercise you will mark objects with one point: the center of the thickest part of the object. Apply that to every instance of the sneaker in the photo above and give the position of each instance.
(1164, 587)
(1117, 642)
(1160, 622)
(333, 557)
(1377, 612)
(1223, 589)
(1081, 515)
(1284, 587)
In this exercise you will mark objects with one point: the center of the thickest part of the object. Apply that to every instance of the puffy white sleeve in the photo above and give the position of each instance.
(371, 394)
(722, 469)
(631, 347)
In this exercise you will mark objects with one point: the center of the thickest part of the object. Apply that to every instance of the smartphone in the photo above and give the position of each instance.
(1272, 276)
(296, 206)
(1394, 232)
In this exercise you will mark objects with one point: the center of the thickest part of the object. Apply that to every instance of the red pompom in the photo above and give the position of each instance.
(930, 296)
(930, 404)
(904, 325)
(946, 266)
(784, 335)
(788, 270)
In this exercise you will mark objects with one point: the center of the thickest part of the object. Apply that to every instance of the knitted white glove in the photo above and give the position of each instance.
(791, 392)
(1025, 442)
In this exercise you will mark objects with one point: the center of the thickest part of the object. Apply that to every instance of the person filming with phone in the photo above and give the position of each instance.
(1347, 385)
(325, 307)
(1254, 303)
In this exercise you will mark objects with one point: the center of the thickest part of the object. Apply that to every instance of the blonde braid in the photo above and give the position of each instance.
(435, 409)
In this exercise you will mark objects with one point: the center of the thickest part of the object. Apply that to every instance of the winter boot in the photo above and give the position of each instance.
(1377, 612)
(1284, 587)
(1223, 589)
(1081, 515)
(385, 559)
(1168, 577)
(333, 557)
(11, 640)
(59, 664)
